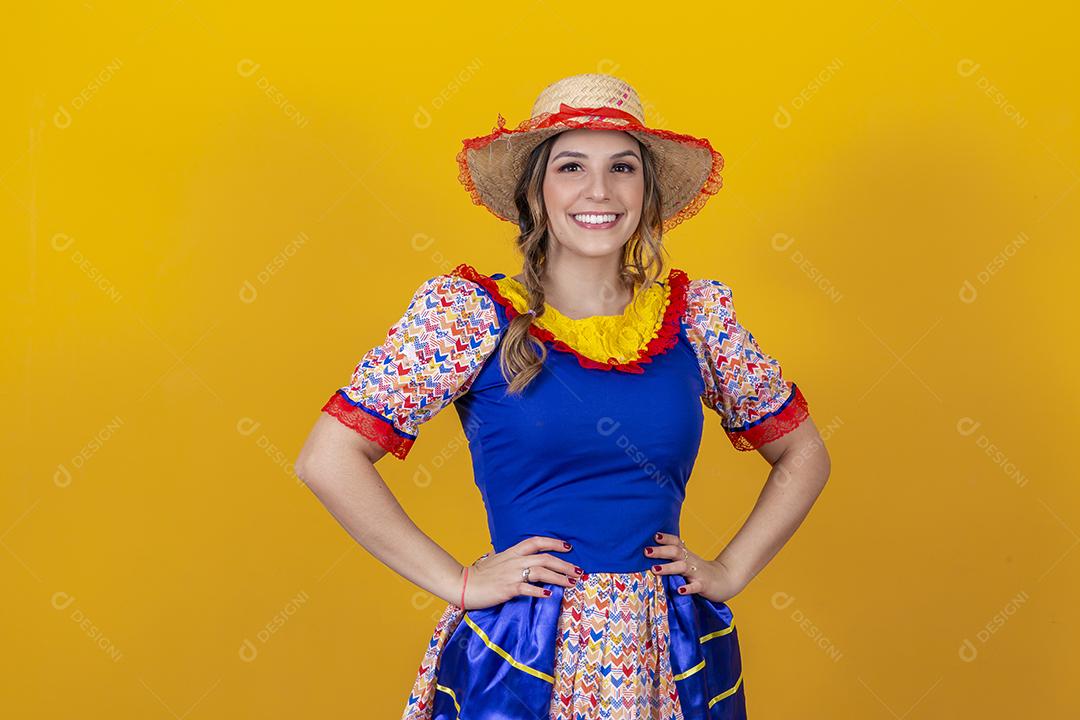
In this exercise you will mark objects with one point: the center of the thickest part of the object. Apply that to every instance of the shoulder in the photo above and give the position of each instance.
(457, 290)
(708, 289)
(708, 299)
(452, 309)
(448, 284)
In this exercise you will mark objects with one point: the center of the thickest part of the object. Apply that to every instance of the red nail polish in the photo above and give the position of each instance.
(547, 592)
(659, 537)
(682, 591)
(648, 551)
(566, 545)
(578, 570)
(656, 568)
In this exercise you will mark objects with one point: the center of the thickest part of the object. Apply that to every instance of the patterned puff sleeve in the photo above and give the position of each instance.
(743, 384)
(428, 358)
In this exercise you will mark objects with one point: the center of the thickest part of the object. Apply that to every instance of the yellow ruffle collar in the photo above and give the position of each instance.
(603, 338)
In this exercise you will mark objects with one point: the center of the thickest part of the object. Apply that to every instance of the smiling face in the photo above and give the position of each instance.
(591, 176)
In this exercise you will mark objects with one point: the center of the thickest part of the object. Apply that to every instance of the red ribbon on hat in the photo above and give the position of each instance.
(568, 112)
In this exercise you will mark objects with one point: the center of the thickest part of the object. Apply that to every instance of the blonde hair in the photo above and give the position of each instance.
(641, 266)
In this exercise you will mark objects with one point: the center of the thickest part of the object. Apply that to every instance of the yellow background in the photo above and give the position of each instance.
(210, 212)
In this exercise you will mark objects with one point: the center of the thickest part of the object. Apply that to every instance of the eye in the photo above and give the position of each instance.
(629, 168)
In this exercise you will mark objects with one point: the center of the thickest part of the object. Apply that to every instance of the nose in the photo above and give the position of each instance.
(597, 187)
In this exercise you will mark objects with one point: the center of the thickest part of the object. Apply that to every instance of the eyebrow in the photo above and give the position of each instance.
(575, 153)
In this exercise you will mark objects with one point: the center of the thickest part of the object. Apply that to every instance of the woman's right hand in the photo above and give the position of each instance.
(496, 578)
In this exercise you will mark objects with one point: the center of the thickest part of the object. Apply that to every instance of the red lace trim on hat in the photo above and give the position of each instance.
(667, 336)
(712, 184)
(376, 429)
(773, 427)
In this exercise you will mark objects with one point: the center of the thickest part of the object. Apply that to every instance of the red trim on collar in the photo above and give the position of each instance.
(667, 336)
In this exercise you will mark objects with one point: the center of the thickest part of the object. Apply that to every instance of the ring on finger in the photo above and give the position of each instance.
(525, 574)
(685, 553)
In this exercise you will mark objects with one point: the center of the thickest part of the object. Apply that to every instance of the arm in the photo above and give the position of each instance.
(800, 468)
(338, 465)
(763, 411)
(397, 386)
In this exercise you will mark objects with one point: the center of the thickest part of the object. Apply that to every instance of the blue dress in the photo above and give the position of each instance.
(597, 452)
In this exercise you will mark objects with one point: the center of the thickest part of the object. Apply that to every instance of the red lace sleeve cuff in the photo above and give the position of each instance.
(775, 425)
(372, 426)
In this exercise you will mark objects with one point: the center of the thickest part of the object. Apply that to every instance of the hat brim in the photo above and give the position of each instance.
(688, 168)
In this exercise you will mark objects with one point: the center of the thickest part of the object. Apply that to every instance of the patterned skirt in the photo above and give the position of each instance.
(618, 646)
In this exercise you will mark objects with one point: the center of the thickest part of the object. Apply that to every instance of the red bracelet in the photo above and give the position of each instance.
(463, 587)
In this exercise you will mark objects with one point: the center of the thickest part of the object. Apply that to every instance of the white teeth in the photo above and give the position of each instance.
(596, 219)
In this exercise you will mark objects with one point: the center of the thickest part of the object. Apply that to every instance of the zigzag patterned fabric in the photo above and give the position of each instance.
(429, 357)
(743, 384)
(612, 656)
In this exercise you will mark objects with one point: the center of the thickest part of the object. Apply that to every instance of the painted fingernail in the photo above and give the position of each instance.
(566, 545)
(659, 537)
(572, 580)
(547, 592)
(682, 591)
(648, 551)
(578, 570)
(656, 568)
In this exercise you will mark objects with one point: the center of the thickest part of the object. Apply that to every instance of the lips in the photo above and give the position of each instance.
(598, 226)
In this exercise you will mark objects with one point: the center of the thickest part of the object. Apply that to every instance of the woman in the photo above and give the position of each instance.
(580, 384)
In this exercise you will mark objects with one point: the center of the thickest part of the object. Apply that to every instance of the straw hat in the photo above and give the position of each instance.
(490, 165)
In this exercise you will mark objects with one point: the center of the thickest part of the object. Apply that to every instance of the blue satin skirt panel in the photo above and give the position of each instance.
(504, 662)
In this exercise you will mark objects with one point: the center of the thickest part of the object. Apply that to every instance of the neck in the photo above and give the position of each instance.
(582, 287)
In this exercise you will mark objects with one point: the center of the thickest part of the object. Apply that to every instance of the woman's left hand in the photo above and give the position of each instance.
(708, 578)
